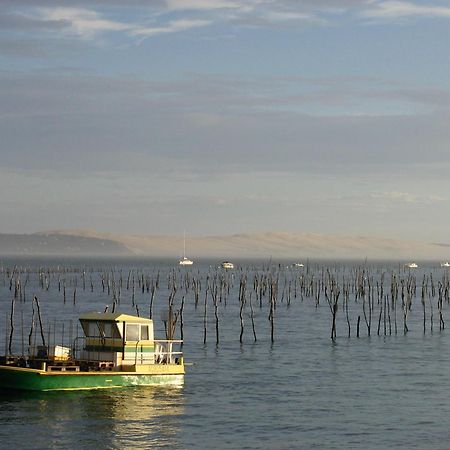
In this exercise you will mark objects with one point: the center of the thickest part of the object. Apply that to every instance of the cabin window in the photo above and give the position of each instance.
(132, 332)
(101, 328)
(144, 332)
(107, 329)
(93, 330)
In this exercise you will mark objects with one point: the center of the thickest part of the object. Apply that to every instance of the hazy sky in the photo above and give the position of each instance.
(226, 116)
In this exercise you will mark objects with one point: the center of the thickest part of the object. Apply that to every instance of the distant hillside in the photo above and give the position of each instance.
(297, 246)
(58, 244)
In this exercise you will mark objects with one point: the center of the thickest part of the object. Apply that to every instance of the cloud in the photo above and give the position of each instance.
(173, 26)
(88, 20)
(205, 4)
(405, 197)
(88, 23)
(281, 16)
(20, 21)
(202, 124)
(395, 9)
(82, 22)
(424, 97)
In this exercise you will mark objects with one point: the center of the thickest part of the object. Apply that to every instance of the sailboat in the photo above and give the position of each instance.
(185, 261)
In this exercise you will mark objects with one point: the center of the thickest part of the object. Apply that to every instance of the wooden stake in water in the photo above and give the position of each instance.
(181, 320)
(252, 317)
(205, 316)
(30, 336)
(12, 324)
(40, 321)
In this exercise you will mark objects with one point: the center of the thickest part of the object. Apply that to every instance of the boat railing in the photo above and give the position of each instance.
(78, 346)
(141, 355)
(164, 351)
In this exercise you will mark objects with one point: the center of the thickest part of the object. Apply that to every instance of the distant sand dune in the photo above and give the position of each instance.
(265, 245)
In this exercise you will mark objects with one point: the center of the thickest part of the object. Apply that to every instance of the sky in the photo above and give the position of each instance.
(226, 116)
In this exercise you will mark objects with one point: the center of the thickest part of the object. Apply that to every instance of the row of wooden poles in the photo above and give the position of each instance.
(382, 299)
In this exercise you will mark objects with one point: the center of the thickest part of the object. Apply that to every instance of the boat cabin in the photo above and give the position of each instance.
(119, 341)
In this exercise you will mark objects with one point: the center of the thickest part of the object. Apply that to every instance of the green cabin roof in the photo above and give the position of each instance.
(114, 317)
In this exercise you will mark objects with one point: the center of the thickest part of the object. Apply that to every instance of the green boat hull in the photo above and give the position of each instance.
(39, 380)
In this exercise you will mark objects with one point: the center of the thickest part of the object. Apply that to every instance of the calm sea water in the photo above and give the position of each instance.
(303, 391)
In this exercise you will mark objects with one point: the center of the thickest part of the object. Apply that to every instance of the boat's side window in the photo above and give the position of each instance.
(114, 332)
(106, 329)
(110, 330)
(93, 330)
(132, 332)
(144, 332)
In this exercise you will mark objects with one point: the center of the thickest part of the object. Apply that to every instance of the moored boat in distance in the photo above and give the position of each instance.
(445, 264)
(227, 265)
(184, 261)
(116, 350)
(412, 265)
(299, 264)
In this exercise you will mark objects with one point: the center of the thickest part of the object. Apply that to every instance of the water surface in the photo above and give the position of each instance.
(302, 391)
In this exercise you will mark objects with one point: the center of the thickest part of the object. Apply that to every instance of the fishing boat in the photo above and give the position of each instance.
(185, 261)
(116, 350)
(227, 265)
(412, 265)
(445, 264)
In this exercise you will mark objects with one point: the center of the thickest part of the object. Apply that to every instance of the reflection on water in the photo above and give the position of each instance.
(142, 417)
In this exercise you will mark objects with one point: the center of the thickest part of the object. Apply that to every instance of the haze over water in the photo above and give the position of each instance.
(301, 391)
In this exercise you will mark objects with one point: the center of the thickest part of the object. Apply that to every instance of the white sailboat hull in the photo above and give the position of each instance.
(186, 262)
